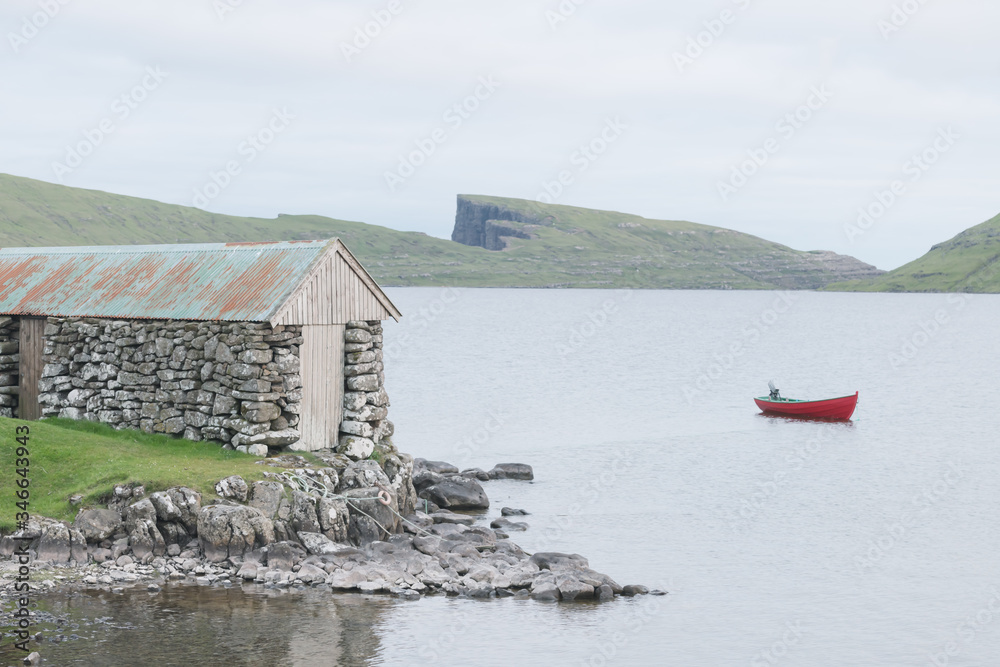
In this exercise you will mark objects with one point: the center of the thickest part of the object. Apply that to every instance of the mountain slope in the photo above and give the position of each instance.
(505, 242)
(970, 262)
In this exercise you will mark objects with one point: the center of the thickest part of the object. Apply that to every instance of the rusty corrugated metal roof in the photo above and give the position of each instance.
(205, 281)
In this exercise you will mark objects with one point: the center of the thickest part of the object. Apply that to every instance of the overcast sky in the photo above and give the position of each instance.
(820, 107)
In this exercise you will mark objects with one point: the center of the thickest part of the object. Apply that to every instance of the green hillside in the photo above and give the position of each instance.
(970, 262)
(583, 247)
(560, 246)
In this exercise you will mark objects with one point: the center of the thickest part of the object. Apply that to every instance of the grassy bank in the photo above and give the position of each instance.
(72, 457)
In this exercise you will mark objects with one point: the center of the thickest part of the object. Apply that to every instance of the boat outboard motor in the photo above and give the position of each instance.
(775, 395)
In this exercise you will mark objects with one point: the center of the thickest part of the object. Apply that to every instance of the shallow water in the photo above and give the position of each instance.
(781, 542)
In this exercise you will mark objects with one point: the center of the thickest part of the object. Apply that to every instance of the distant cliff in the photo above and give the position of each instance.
(481, 224)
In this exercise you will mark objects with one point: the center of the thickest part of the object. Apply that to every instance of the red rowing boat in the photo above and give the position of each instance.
(831, 408)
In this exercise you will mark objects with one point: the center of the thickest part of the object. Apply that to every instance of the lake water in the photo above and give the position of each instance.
(873, 542)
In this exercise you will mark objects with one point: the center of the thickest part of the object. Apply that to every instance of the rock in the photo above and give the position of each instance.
(310, 574)
(439, 467)
(284, 556)
(266, 496)
(234, 487)
(244, 371)
(457, 493)
(547, 592)
(334, 518)
(101, 555)
(451, 517)
(570, 588)
(508, 525)
(558, 561)
(97, 524)
(478, 473)
(54, 544)
(230, 531)
(367, 383)
(634, 589)
(346, 580)
(357, 336)
(605, 593)
(186, 503)
(358, 428)
(143, 536)
(356, 447)
(361, 475)
(257, 450)
(509, 511)
(33, 658)
(512, 471)
(259, 412)
(378, 398)
(354, 400)
(276, 438)
(425, 478)
(303, 515)
(318, 544)
(369, 520)
(247, 571)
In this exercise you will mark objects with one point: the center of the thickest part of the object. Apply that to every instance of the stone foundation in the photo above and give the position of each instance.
(366, 404)
(10, 331)
(236, 383)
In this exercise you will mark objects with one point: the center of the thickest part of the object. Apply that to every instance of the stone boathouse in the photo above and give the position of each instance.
(259, 345)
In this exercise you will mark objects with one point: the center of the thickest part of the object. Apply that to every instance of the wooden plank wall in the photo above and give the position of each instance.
(322, 359)
(32, 343)
(334, 295)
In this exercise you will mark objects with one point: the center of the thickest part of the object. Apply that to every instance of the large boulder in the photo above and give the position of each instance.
(233, 487)
(512, 471)
(284, 555)
(355, 447)
(550, 560)
(369, 519)
(334, 518)
(318, 544)
(362, 475)
(231, 531)
(439, 467)
(266, 496)
(97, 524)
(177, 505)
(399, 469)
(303, 516)
(457, 493)
(143, 535)
(54, 545)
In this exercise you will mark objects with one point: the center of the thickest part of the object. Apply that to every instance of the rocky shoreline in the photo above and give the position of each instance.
(395, 528)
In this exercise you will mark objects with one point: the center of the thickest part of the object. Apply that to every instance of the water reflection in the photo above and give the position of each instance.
(185, 625)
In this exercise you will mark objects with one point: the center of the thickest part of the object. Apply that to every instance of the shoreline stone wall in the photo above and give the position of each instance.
(232, 382)
(10, 333)
(366, 404)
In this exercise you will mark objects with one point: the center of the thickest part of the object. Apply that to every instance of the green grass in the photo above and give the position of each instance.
(572, 246)
(970, 262)
(77, 457)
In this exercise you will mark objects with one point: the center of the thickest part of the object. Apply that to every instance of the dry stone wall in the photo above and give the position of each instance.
(366, 404)
(234, 382)
(10, 330)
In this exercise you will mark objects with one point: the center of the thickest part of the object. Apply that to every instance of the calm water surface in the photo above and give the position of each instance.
(874, 542)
